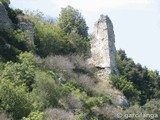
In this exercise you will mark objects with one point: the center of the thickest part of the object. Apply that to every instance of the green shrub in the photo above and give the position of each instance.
(14, 99)
(74, 43)
(46, 92)
(150, 110)
(152, 107)
(21, 73)
(34, 116)
(126, 87)
(51, 39)
(136, 109)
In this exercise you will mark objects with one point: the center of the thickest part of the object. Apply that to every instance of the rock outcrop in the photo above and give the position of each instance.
(27, 26)
(103, 58)
(103, 51)
(5, 22)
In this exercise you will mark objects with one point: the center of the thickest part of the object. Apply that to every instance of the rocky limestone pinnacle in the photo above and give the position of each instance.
(103, 51)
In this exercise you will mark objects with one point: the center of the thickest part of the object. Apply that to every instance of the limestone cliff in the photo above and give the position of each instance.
(103, 58)
(103, 51)
(5, 22)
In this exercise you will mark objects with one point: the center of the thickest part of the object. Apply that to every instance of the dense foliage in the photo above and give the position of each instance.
(71, 20)
(45, 76)
(144, 80)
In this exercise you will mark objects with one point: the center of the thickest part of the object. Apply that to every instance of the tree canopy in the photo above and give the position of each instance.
(71, 20)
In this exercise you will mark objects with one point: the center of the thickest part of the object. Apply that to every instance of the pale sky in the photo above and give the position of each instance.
(136, 23)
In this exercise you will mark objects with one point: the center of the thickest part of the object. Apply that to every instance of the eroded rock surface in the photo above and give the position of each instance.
(5, 22)
(103, 51)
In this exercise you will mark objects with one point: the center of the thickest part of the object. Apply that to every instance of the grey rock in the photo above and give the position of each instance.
(103, 51)
(27, 26)
(5, 22)
(122, 101)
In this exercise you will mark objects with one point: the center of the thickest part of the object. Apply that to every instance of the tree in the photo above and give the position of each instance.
(121, 83)
(143, 79)
(21, 73)
(70, 20)
(75, 43)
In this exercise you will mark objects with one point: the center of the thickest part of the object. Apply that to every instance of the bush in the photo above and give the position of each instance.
(14, 100)
(86, 82)
(71, 101)
(136, 109)
(57, 63)
(126, 87)
(152, 107)
(1, 67)
(150, 110)
(68, 67)
(4, 116)
(34, 116)
(74, 43)
(46, 92)
(24, 41)
(21, 73)
(58, 114)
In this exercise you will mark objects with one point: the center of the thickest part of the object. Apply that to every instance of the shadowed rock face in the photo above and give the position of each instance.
(29, 27)
(103, 51)
(5, 22)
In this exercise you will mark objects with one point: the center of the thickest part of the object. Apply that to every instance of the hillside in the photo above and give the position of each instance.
(54, 70)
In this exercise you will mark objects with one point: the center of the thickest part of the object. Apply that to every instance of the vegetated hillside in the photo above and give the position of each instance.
(43, 75)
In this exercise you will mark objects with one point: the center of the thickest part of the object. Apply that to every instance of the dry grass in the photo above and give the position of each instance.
(59, 64)
(70, 66)
(4, 116)
(58, 114)
(103, 86)
(87, 82)
(71, 102)
(110, 111)
(25, 19)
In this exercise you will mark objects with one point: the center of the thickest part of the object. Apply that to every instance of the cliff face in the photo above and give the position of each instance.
(5, 22)
(27, 26)
(103, 51)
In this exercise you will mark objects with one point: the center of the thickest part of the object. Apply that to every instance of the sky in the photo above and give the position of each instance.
(136, 23)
